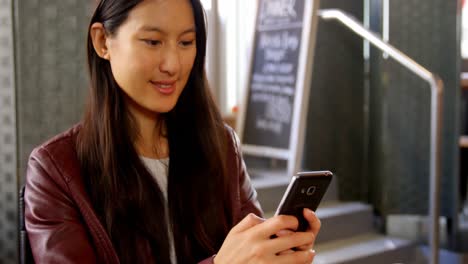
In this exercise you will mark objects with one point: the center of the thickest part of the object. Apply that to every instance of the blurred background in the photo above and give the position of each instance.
(368, 118)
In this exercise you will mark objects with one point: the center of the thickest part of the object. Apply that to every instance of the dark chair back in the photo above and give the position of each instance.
(25, 254)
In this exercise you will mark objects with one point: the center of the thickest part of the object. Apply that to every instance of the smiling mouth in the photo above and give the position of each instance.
(164, 87)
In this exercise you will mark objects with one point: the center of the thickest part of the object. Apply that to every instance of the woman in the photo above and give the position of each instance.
(151, 174)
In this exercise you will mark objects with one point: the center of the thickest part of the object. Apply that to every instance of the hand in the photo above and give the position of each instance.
(249, 242)
(314, 228)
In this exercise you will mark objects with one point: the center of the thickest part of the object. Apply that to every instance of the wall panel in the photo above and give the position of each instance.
(8, 180)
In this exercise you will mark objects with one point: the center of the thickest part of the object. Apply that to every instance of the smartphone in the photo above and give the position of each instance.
(305, 190)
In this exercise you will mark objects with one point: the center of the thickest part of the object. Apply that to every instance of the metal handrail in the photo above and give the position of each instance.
(437, 87)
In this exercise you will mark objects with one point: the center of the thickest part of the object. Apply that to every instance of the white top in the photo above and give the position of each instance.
(159, 169)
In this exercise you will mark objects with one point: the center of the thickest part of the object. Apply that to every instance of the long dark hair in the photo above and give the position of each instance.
(124, 194)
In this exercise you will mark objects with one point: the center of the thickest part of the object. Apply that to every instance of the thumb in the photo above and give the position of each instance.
(249, 221)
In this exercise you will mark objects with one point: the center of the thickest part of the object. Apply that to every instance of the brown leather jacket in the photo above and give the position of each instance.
(60, 220)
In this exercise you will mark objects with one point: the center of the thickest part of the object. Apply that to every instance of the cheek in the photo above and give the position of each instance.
(129, 70)
(122, 73)
(188, 64)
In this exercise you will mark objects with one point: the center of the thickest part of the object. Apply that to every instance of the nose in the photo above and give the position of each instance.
(170, 61)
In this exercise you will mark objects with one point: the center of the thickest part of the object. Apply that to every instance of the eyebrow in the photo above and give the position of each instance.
(157, 29)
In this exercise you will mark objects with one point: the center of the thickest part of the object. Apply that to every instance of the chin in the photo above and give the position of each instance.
(163, 109)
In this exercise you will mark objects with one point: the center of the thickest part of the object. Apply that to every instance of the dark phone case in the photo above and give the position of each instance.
(305, 190)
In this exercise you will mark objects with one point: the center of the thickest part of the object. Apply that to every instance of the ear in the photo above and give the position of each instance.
(99, 38)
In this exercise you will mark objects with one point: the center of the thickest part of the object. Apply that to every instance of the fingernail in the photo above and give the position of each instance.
(310, 253)
(308, 211)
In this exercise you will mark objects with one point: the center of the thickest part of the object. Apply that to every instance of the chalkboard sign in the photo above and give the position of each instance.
(279, 79)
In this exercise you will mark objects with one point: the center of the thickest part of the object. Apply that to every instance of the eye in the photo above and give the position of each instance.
(187, 43)
(151, 42)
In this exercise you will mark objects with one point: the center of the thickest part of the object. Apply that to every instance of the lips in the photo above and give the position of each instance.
(164, 87)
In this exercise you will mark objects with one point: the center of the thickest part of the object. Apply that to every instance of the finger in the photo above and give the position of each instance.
(297, 239)
(314, 222)
(248, 222)
(284, 232)
(275, 224)
(296, 257)
(306, 247)
(313, 254)
(286, 252)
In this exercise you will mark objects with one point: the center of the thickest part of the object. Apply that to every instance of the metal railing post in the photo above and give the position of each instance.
(436, 86)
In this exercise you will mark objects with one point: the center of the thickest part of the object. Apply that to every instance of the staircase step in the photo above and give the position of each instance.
(270, 186)
(415, 228)
(368, 248)
(341, 220)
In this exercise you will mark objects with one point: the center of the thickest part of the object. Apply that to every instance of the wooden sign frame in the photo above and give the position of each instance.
(293, 154)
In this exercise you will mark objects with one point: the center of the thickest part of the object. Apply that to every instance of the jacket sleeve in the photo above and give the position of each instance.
(53, 223)
(248, 195)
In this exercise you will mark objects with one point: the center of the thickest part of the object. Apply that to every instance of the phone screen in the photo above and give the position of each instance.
(305, 190)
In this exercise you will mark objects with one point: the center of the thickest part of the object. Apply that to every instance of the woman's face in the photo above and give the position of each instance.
(152, 54)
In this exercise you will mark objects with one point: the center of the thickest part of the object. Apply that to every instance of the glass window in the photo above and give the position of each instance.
(206, 4)
(230, 33)
(464, 33)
